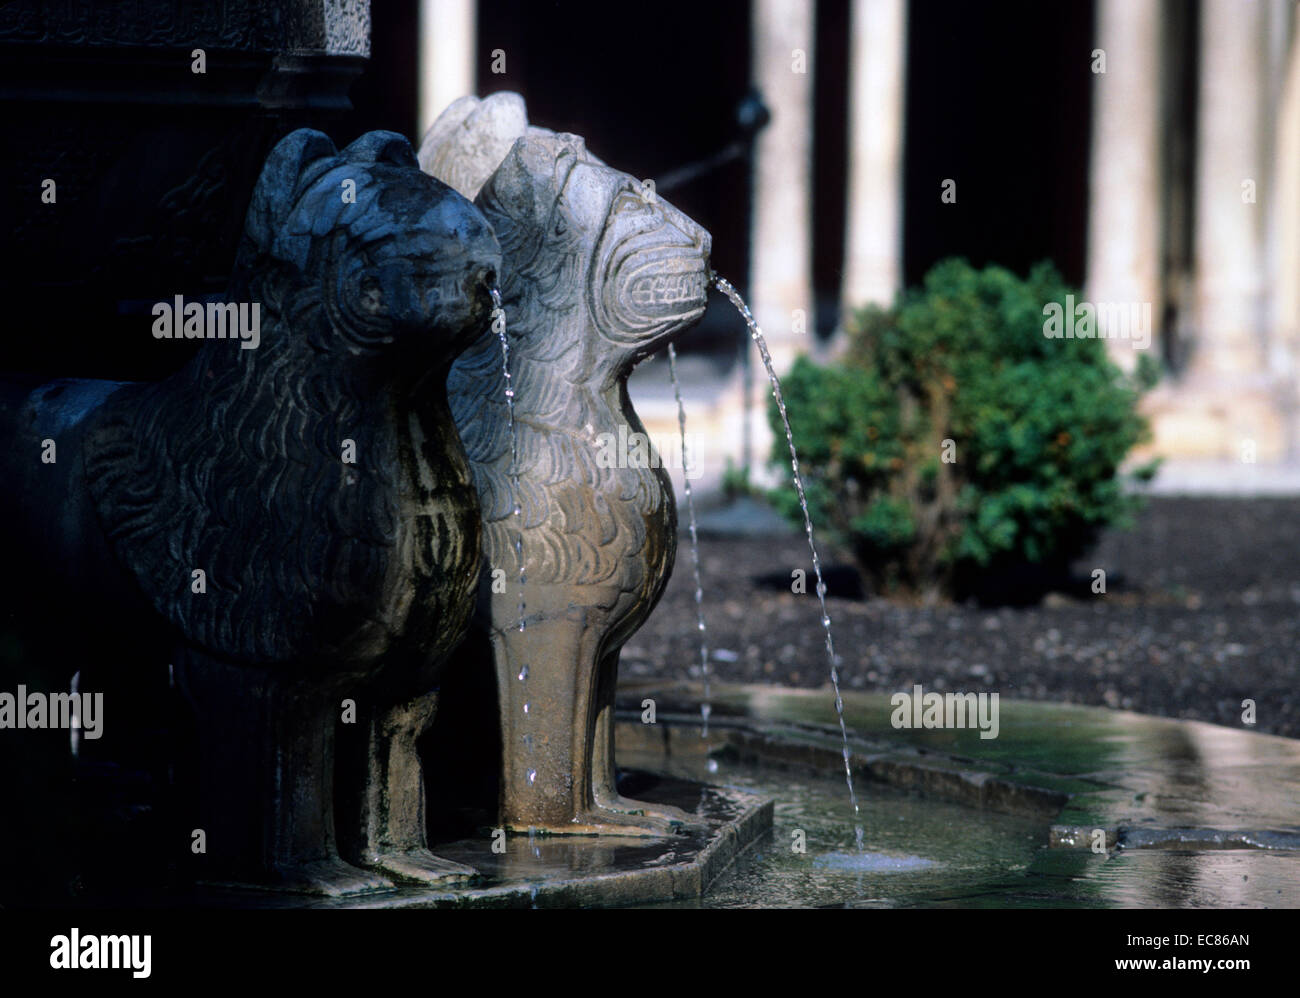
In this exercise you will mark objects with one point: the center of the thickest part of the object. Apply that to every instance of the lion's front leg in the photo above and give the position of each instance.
(266, 770)
(394, 823)
(661, 817)
(547, 727)
(549, 732)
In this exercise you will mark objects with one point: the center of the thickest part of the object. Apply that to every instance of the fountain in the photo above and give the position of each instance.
(395, 514)
(309, 636)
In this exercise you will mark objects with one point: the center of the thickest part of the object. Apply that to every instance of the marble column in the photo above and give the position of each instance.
(1284, 220)
(1124, 197)
(1232, 403)
(781, 224)
(1229, 227)
(447, 59)
(873, 237)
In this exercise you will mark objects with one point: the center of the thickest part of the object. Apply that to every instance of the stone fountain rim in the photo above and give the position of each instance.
(1074, 805)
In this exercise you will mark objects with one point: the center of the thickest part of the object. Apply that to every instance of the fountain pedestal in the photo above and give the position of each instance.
(577, 871)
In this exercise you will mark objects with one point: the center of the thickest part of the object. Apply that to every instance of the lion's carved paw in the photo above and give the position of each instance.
(422, 866)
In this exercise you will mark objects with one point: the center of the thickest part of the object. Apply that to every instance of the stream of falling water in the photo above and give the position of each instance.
(499, 325)
(756, 334)
(705, 708)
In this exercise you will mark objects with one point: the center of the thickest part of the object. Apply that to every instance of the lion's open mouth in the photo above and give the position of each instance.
(655, 280)
(657, 291)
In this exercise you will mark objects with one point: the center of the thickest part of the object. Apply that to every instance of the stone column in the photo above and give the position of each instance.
(1286, 255)
(781, 225)
(448, 50)
(1284, 239)
(873, 237)
(1229, 247)
(1124, 197)
(1229, 406)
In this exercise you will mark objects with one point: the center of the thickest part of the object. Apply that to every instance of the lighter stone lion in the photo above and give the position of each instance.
(596, 276)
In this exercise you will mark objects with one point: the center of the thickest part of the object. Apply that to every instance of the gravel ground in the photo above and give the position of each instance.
(1202, 611)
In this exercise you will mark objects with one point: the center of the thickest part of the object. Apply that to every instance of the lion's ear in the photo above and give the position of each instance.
(280, 181)
(529, 180)
(382, 147)
(471, 138)
(512, 186)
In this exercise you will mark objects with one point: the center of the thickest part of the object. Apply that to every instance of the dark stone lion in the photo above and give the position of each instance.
(300, 516)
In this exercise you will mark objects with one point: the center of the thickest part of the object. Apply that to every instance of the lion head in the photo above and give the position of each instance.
(635, 264)
(392, 257)
(598, 273)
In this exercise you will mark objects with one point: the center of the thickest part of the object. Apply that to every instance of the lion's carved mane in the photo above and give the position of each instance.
(583, 523)
(233, 466)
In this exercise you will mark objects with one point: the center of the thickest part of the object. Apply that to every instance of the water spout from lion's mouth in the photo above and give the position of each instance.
(482, 281)
(723, 285)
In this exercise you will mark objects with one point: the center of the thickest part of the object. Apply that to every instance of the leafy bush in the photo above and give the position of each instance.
(956, 448)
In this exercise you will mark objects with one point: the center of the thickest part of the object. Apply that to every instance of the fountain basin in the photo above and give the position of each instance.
(1191, 814)
(1182, 813)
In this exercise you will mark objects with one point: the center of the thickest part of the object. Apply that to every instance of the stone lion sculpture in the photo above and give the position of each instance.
(597, 274)
(300, 515)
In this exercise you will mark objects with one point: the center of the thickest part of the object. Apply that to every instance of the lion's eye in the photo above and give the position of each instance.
(372, 294)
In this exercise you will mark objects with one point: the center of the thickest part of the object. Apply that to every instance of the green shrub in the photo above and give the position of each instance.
(1034, 430)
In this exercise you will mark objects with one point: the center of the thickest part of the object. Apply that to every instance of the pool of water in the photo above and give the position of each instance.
(918, 850)
(926, 853)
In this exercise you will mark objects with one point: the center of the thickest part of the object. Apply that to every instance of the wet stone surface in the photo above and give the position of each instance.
(1191, 814)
